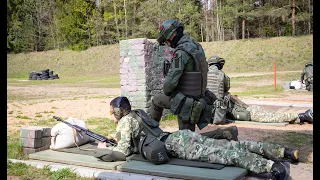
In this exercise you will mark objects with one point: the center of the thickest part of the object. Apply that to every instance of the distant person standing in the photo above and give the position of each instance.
(308, 72)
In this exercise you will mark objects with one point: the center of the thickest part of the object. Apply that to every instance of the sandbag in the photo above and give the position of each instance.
(63, 135)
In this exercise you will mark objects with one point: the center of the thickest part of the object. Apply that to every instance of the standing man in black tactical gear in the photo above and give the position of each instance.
(186, 77)
(185, 83)
(308, 72)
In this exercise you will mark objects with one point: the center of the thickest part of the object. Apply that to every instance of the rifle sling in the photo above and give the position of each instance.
(75, 140)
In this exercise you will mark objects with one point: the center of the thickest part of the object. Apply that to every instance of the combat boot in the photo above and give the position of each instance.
(280, 171)
(234, 131)
(306, 116)
(291, 154)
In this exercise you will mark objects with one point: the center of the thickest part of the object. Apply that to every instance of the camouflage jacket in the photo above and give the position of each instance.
(128, 127)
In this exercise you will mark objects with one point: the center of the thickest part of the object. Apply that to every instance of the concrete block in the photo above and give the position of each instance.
(34, 132)
(31, 143)
(46, 141)
(27, 150)
(46, 132)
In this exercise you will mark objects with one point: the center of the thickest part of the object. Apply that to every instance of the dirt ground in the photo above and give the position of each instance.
(41, 102)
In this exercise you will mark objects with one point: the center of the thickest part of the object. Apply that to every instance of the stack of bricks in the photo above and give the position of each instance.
(34, 139)
(141, 70)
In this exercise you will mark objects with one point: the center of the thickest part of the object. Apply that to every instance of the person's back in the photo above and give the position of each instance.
(308, 72)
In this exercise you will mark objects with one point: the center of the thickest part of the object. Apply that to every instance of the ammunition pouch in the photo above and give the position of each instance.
(206, 115)
(187, 108)
(153, 149)
(196, 110)
(166, 67)
(219, 112)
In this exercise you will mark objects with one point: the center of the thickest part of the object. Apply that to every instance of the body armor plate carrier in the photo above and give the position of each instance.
(216, 84)
(189, 83)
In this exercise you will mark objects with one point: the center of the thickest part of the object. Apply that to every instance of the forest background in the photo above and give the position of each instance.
(40, 25)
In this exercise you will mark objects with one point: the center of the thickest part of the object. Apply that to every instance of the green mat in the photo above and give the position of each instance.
(141, 167)
(88, 149)
(183, 172)
(257, 123)
(74, 159)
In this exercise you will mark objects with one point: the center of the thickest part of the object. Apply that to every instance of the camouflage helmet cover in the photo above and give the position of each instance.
(167, 28)
(215, 60)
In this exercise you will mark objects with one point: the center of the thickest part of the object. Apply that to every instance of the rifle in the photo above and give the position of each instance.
(87, 132)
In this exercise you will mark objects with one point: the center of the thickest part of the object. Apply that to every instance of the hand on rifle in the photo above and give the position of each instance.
(103, 145)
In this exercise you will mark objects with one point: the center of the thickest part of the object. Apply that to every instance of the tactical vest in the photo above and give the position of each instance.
(189, 83)
(216, 83)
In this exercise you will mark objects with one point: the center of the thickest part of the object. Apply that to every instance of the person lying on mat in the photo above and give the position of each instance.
(188, 145)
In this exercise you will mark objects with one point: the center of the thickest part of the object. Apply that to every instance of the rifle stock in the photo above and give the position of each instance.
(87, 132)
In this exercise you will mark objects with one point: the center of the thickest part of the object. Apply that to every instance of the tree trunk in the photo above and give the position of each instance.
(243, 25)
(134, 16)
(206, 18)
(115, 18)
(212, 16)
(201, 33)
(243, 29)
(309, 20)
(125, 18)
(293, 17)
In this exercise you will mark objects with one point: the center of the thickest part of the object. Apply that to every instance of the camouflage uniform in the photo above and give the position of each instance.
(259, 114)
(127, 128)
(189, 145)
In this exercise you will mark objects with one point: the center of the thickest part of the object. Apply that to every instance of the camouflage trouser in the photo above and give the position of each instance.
(189, 145)
(259, 114)
(161, 101)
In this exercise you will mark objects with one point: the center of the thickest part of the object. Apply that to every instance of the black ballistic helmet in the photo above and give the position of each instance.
(166, 30)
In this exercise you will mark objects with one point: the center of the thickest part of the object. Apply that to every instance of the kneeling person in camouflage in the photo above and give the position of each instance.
(188, 145)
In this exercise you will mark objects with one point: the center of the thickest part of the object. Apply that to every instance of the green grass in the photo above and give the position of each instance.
(22, 117)
(108, 81)
(253, 55)
(258, 55)
(28, 172)
(102, 126)
(259, 90)
(14, 150)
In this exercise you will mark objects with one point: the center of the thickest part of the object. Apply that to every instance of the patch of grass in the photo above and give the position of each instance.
(22, 117)
(46, 112)
(54, 107)
(258, 55)
(38, 115)
(29, 172)
(10, 112)
(260, 90)
(14, 150)
(47, 122)
(102, 126)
